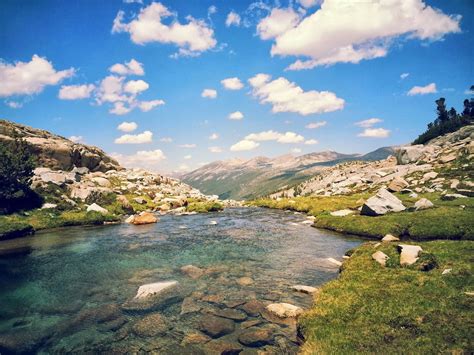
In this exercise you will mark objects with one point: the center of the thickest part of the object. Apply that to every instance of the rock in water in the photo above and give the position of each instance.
(153, 289)
(151, 325)
(380, 257)
(256, 337)
(216, 326)
(284, 310)
(409, 254)
(96, 208)
(304, 289)
(423, 204)
(334, 261)
(144, 218)
(192, 271)
(382, 203)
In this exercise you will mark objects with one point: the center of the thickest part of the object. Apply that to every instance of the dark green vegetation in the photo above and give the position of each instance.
(16, 169)
(372, 309)
(448, 121)
(448, 220)
(204, 206)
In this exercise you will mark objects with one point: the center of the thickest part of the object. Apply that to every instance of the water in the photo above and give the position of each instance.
(66, 290)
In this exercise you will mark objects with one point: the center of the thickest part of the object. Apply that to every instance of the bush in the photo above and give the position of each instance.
(16, 170)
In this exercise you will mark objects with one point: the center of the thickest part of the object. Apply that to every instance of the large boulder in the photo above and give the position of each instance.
(382, 203)
(409, 254)
(142, 218)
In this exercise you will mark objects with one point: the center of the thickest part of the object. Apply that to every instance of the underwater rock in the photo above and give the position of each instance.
(151, 325)
(256, 337)
(216, 326)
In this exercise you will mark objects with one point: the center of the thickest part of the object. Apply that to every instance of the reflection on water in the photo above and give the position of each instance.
(66, 290)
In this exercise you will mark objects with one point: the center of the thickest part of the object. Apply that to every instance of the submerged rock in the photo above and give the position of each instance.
(216, 326)
(304, 289)
(155, 296)
(151, 325)
(256, 337)
(334, 261)
(253, 308)
(229, 313)
(192, 271)
(153, 289)
(382, 203)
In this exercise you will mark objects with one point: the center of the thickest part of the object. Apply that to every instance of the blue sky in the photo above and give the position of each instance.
(355, 56)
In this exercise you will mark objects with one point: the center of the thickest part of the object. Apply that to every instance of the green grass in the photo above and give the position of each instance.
(372, 309)
(10, 230)
(204, 206)
(446, 221)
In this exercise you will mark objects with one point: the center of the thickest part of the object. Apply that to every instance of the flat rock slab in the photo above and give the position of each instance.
(284, 310)
(409, 254)
(380, 257)
(153, 289)
(216, 326)
(342, 213)
(256, 337)
(151, 325)
(304, 289)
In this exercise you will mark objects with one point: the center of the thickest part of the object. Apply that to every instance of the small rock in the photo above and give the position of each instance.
(334, 261)
(192, 271)
(423, 204)
(446, 271)
(450, 197)
(304, 289)
(95, 207)
(454, 183)
(151, 326)
(216, 326)
(376, 245)
(213, 223)
(409, 254)
(390, 238)
(229, 313)
(380, 257)
(256, 337)
(140, 200)
(49, 206)
(397, 184)
(195, 338)
(284, 310)
(153, 289)
(342, 213)
(144, 218)
(253, 308)
(244, 281)
(430, 175)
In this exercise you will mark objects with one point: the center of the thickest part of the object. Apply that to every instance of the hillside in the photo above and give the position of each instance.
(247, 179)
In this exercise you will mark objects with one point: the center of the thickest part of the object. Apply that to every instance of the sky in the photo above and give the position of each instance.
(173, 85)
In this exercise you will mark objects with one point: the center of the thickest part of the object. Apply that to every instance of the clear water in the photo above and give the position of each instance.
(64, 290)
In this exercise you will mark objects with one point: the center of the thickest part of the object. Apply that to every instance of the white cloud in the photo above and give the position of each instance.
(311, 142)
(233, 18)
(146, 106)
(423, 90)
(315, 125)
(133, 67)
(120, 109)
(14, 104)
(351, 31)
(111, 90)
(215, 149)
(209, 93)
(375, 133)
(287, 137)
(136, 86)
(192, 38)
(244, 145)
(237, 115)
(278, 22)
(295, 150)
(75, 92)
(127, 126)
(27, 78)
(133, 1)
(166, 140)
(368, 123)
(187, 157)
(76, 139)
(146, 159)
(308, 3)
(404, 75)
(145, 137)
(212, 10)
(232, 83)
(286, 96)
(188, 146)
(214, 136)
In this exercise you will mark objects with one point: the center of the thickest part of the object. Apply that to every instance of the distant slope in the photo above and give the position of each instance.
(246, 179)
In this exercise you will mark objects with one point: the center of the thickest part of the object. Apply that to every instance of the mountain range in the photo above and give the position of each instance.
(259, 176)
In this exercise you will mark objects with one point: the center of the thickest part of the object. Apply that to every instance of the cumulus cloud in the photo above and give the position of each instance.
(368, 123)
(233, 19)
(215, 149)
(423, 90)
(188, 146)
(140, 138)
(187, 157)
(192, 38)
(244, 145)
(214, 136)
(120, 109)
(286, 96)
(28, 78)
(209, 93)
(76, 139)
(146, 159)
(75, 92)
(278, 22)
(232, 83)
(343, 32)
(127, 126)
(146, 106)
(315, 125)
(133, 67)
(237, 115)
(136, 86)
(404, 75)
(311, 142)
(166, 140)
(287, 137)
(375, 133)
(308, 3)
